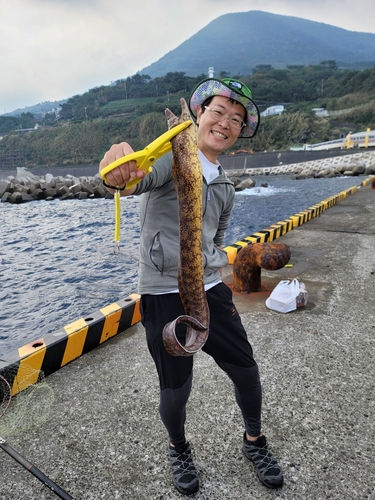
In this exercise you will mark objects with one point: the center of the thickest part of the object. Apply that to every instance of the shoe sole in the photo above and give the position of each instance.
(184, 492)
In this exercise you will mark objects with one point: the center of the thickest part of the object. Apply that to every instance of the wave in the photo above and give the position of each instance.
(264, 191)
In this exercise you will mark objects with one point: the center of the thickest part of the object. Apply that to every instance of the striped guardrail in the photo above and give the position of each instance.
(274, 231)
(48, 354)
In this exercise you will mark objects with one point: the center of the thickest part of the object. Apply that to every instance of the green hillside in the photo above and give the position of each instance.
(133, 110)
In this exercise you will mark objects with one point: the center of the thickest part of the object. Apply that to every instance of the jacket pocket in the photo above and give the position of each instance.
(156, 253)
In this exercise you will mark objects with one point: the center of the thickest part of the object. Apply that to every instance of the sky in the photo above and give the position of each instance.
(55, 49)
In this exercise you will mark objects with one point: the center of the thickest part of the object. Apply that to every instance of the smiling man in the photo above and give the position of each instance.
(224, 111)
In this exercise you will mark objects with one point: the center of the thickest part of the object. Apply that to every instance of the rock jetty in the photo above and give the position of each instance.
(26, 186)
(349, 165)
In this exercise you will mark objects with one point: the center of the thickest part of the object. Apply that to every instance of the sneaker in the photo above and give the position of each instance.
(268, 470)
(185, 476)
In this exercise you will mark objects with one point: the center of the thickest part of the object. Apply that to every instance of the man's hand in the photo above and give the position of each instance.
(124, 173)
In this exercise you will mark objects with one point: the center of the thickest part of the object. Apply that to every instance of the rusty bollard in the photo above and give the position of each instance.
(254, 257)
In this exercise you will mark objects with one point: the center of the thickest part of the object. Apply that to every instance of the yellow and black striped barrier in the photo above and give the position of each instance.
(280, 228)
(57, 349)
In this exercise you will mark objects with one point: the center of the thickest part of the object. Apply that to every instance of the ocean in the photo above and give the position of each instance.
(57, 259)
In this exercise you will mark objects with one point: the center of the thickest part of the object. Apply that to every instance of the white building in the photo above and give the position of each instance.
(273, 110)
(320, 111)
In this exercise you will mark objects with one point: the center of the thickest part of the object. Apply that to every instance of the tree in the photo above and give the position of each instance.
(329, 64)
(8, 123)
(262, 68)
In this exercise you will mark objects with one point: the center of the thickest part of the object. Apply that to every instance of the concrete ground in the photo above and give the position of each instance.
(103, 438)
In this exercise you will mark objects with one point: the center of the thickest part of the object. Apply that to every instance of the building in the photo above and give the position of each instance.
(320, 112)
(273, 110)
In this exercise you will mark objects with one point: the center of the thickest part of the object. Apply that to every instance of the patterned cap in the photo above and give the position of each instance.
(233, 89)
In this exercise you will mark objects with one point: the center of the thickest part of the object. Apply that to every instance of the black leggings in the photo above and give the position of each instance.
(228, 345)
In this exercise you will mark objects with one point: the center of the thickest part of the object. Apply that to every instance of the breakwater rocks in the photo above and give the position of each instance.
(350, 165)
(26, 187)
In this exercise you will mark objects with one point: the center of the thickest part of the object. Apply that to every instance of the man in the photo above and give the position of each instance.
(224, 110)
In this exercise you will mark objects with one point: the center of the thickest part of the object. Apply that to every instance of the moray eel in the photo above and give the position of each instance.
(187, 178)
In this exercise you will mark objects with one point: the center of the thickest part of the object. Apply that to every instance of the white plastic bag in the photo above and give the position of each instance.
(287, 296)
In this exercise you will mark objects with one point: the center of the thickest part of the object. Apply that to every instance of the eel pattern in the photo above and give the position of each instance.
(187, 178)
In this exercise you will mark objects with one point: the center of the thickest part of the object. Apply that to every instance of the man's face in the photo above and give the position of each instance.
(215, 137)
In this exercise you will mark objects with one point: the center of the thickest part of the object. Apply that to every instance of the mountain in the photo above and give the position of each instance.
(37, 109)
(237, 42)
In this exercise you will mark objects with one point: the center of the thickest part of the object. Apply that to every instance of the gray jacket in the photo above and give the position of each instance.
(159, 227)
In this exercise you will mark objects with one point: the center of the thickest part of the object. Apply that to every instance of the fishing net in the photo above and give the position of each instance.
(25, 399)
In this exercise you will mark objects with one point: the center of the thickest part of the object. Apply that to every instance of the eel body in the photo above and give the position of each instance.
(187, 177)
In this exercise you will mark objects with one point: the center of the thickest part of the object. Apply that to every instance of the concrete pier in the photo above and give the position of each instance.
(103, 438)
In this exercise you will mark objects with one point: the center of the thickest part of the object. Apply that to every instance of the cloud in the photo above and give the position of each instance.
(54, 49)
